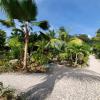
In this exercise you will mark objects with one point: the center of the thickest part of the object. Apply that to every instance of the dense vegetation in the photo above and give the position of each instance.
(27, 50)
(30, 51)
(6, 93)
(44, 48)
(96, 44)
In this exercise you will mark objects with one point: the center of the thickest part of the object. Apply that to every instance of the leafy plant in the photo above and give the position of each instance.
(2, 39)
(6, 93)
(96, 44)
(25, 11)
(78, 53)
(96, 49)
(6, 66)
(75, 53)
(16, 47)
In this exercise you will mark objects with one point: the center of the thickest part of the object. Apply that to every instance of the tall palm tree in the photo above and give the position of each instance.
(25, 11)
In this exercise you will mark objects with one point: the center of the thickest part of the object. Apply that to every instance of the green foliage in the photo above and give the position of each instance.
(16, 47)
(96, 49)
(2, 62)
(63, 56)
(75, 53)
(63, 34)
(76, 41)
(43, 48)
(25, 11)
(41, 56)
(98, 33)
(55, 44)
(38, 61)
(7, 23)
(14, 42)
(96, 44)
(42, 24)
(51, 34)
(6, 93)
(84, 37)
(19, 9)
(78, 54)
(2, 39)
(5, 66)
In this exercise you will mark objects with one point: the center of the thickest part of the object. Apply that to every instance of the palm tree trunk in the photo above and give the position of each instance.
(26, 45)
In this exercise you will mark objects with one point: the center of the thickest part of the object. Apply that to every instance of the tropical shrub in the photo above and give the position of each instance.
(25, 12)
(54, 46)
(5, 66)
(63, 34)
(96, 49)
(39, 57)
(78, 54)
(2, 62)
(16, 47)
(75, 52)
(6, 93)
(96, 44)
(38, 62)
(63, 56)
(84, 37)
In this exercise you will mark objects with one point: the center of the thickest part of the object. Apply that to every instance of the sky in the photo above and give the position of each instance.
(77, 16)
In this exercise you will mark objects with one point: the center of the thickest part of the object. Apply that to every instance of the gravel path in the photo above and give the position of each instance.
(94, 64)
(21, 82)
(63, 84)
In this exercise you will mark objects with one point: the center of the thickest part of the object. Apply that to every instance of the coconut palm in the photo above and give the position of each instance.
(78, 51)
(63, 34)
(25, 11)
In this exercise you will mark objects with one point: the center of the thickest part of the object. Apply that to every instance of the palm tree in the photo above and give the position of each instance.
(25, 11)
(63, 34)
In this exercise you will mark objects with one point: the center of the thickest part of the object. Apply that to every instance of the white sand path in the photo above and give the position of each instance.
(94, 64)
(63, 84)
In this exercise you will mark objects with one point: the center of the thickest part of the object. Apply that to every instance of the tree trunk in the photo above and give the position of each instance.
(26, 45)
(76, 59)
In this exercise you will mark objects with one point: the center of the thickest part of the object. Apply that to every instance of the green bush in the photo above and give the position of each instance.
(38, 61)
(63, 56)
(2, 62)
(75, 53)
(78, 54)
(16, 48)
(96, 49)
(96, 44)
(5, 66)
(6, 93)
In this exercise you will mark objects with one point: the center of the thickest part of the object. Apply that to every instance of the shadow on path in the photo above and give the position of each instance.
(42, 90)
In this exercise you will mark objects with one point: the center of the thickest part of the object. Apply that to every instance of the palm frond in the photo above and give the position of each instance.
(17, 30)
(7, 23)
(42, 24)
(2, 33)
(19, 9)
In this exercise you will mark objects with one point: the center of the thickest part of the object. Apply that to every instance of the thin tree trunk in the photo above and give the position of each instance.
(26, 45)
(76, 59)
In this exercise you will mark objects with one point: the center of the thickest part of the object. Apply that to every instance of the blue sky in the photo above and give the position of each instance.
(77, 16)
